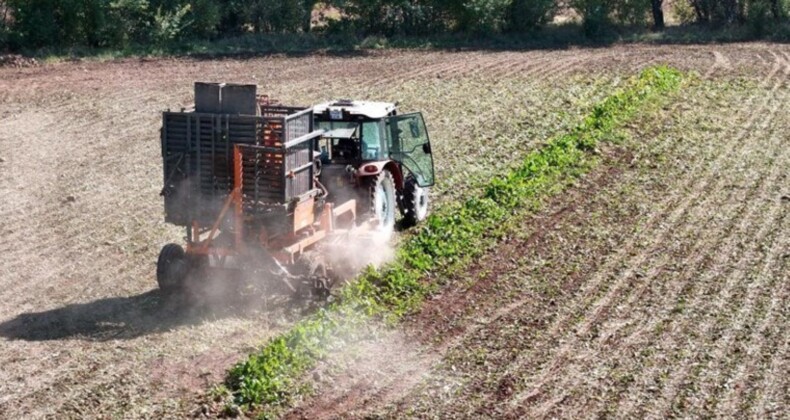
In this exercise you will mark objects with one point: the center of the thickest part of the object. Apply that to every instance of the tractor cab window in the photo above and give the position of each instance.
(373, 144)
(345, 141)
(409, 144)
(340, 142)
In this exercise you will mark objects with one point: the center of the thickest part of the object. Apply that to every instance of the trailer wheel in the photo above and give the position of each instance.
(414, 204)
(382, 200)
(171, 268)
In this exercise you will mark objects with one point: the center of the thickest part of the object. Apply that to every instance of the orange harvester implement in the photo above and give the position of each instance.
(246, 178)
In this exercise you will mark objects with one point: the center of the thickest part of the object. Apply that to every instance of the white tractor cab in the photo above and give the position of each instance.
(370, 153)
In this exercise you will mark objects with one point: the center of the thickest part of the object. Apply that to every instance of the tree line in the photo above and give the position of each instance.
(32, 24)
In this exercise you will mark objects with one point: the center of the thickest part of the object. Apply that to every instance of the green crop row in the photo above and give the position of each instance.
(448, 240)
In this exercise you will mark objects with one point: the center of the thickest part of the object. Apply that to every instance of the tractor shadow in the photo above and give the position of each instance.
(121, 318)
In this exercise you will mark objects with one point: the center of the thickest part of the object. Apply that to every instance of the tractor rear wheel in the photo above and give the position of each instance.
(414, 204)
(171, 268)
(382, 200)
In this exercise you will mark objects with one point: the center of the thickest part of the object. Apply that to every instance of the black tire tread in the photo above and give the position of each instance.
(409, 203)
(171, 254)
(384, 176)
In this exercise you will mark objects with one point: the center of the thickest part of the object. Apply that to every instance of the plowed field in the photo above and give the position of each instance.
(657, 286)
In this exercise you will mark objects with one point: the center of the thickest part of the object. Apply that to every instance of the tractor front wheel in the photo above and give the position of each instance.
(414, 204)
(171, 268)
(382, 200)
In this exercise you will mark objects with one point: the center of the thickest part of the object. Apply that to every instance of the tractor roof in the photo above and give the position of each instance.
(368, 109)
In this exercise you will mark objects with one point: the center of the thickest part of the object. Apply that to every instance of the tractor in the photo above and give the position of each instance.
(270, 191)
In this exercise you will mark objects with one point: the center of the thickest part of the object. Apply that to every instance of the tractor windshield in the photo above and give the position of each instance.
(409, 144)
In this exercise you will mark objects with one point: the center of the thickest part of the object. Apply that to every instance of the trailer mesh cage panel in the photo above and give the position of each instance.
(197, 150)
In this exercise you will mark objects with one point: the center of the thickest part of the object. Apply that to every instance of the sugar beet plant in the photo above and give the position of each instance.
(268, 378)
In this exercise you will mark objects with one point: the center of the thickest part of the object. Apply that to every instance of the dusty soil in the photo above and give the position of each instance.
(85, 333)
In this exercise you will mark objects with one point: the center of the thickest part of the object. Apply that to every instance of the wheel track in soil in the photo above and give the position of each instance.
(671, 212)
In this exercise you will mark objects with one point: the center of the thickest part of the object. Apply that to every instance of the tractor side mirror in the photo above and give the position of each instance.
(426, 148)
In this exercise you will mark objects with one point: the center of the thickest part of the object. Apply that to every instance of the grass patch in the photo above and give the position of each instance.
(446, 242)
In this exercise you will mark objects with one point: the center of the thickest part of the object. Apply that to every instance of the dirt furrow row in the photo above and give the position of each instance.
(665, 315)
(696, 227)
(757, 313)
(727, 354)
(417, 72)
(761, 345)
(772, 394)
(503, 59)
(703, 297)
(686, 300)
(672, 210)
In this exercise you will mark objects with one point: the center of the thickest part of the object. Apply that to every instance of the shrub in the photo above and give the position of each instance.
(529, 15)
(483, 16)
(205, 16)
(391, 17)
(596, 16)
(631, 12)
(132, 21)
(683, 11)
(276, 16)
(169, 26)
(5, 30)
(35, 25)
(420, 18)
